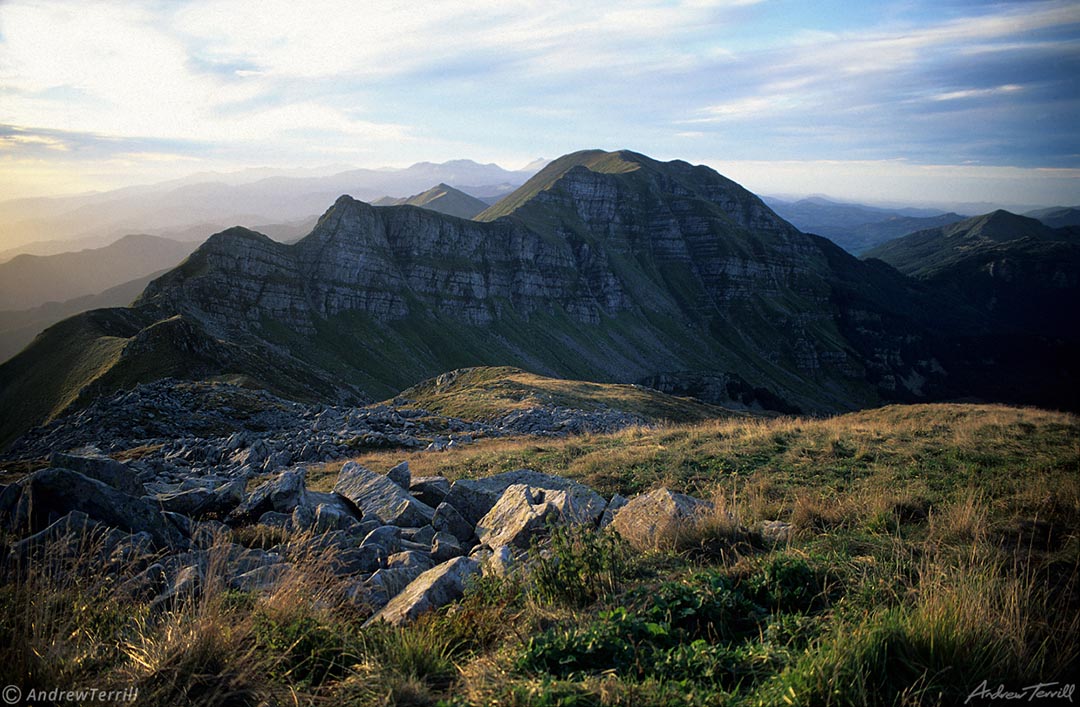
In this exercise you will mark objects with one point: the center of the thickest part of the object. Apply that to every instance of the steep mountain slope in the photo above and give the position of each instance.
(441, 198)
(1023, 274)
(854, 227)
(609, 267)
(30, 280)
(18, 328)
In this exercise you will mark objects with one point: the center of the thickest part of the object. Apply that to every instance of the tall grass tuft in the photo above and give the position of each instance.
(972, 619)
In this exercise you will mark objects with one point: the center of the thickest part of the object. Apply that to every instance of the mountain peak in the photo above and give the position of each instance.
(588, 180)
(1000, 226)
(442, 198)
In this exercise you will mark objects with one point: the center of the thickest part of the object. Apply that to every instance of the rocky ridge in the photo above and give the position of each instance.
(401, 546)
(174, 430)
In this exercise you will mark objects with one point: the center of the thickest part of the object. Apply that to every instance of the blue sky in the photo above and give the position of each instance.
(907, 101)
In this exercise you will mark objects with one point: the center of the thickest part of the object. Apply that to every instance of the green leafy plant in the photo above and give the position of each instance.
(578, 566)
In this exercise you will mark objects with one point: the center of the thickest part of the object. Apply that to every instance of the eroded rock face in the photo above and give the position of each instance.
(656, 519)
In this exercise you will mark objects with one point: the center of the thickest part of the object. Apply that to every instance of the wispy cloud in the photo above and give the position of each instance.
(286, 83)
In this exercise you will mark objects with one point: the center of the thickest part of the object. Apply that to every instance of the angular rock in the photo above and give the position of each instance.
(388, 537)
(330, 517)
(502, 562)
(613, 507)
(431, 490)
(189, 502)
(385, 584)
(378, 497)
(448, 520)
(411, 559)
(400, 475)
(52, 493)
(109, 471)
(657, 519)
(420, 536)
(434, 588)
(282, 494)
(523, 513)
(358, 560)
(473, 498)
(444, 547)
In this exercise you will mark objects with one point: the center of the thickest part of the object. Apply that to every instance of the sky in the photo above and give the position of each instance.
(912, 101)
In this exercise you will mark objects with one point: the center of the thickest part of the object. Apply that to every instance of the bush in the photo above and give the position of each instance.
(578, 566)
(704, 605)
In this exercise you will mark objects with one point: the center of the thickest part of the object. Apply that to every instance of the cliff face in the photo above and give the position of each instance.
(604, 266)
(631, 267)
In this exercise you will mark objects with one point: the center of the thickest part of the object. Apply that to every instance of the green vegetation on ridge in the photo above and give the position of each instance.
(489, 392)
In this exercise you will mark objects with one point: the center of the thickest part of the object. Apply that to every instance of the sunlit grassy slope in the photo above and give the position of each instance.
(922, 454)
(485, 393)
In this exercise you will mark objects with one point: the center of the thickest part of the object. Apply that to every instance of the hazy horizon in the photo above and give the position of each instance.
(880, 102)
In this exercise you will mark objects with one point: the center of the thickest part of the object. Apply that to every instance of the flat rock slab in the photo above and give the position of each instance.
(51, 493)
(102, 468)
(379, 497)
(436, 587)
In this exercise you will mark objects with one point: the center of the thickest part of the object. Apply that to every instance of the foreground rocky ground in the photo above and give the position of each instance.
(888, 557)
(178, 430)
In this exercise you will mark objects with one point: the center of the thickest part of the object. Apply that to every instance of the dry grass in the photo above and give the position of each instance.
(945, 539)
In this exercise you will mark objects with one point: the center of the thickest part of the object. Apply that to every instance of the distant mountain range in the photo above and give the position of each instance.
(34, 225)
(19, 327)
(1057, 216)
(31, 280)
(1024, 275)
(606, 266)
(855, 227)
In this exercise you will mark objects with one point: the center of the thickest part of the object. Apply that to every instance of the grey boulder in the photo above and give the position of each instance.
(378, 497)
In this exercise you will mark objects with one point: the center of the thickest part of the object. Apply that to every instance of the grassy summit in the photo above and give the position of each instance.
(486, 393)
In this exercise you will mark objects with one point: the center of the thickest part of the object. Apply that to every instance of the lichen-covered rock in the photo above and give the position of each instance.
(378, 497)
(657, 519)
(434, 588)
(522, 513)
(473, 498)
